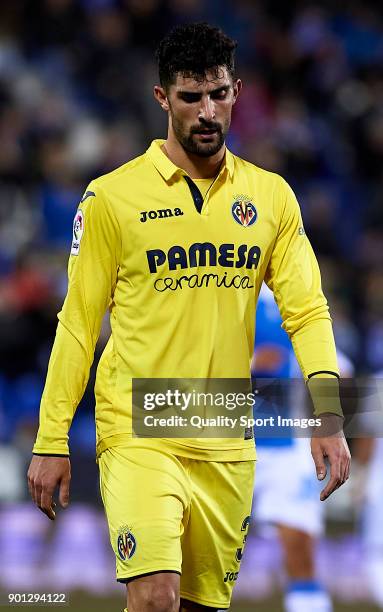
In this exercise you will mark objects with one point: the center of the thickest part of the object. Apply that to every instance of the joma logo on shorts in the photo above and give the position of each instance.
(162, 213)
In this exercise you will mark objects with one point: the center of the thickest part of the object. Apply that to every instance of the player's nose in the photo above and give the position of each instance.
(207, 110)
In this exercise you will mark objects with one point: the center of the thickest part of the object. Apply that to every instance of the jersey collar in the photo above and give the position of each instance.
(166, 167)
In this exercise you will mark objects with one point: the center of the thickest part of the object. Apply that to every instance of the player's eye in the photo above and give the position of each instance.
(220, 94)
(189, 97)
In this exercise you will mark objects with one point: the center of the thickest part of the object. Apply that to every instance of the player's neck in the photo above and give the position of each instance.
(196, 167)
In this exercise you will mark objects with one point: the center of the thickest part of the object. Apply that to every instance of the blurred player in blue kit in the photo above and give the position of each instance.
(287, 491)
(367, 486)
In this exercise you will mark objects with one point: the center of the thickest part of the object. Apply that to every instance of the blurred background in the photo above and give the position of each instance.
(76, 80)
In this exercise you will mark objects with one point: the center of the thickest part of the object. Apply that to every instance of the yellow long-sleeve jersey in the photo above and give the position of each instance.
(180, 275)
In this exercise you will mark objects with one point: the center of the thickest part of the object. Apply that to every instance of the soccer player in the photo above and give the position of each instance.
(286, 492)
(176, 243)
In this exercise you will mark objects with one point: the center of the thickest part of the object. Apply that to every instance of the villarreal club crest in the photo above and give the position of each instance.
(126, 543)
(244, 211)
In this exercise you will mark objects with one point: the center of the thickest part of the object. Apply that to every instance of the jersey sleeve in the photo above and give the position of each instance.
(92, 275)
(294, 277)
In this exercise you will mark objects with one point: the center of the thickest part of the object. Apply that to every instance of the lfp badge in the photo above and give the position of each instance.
(244, 212)
(78, 230)
(126, 544)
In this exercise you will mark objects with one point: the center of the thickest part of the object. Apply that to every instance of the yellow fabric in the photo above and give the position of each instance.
(168, 513)
(325, 394)
(189, 315)
(204, 185)
(193, 449)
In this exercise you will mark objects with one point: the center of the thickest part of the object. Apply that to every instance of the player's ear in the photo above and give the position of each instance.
(237, 86)
(161, 97)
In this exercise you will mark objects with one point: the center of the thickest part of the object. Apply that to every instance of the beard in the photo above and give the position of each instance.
(189, 140)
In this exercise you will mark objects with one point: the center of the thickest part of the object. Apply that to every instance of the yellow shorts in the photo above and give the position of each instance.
(171, 513)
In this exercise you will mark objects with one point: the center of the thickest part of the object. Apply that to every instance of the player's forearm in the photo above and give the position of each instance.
(314, 346)
(68, 373)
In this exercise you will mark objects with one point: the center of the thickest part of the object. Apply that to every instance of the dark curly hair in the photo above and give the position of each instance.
(192, 50)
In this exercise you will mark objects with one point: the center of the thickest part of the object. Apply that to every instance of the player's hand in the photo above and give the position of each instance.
(44, 475)
(328, 441)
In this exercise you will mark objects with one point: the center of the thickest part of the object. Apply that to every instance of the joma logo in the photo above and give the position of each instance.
(160, 214)
(230, 576)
